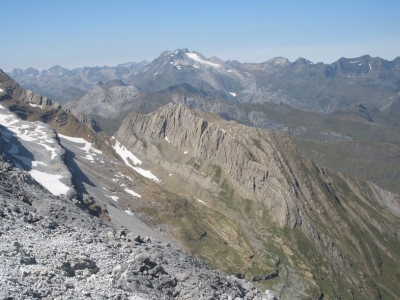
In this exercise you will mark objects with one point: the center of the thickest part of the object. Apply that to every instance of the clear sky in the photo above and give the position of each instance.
(72, 33)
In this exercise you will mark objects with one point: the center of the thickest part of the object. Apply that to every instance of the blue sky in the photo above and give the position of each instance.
(81, 33)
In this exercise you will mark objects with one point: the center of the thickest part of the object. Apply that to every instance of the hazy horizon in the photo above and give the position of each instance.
(75, 34)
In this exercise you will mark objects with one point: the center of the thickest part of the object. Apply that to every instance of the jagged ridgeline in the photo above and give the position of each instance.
(249, 202)
(34, 107)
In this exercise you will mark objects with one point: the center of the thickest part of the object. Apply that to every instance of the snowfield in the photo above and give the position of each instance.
(51, 182)
(87, 148)
(32, 147)
(196, 58)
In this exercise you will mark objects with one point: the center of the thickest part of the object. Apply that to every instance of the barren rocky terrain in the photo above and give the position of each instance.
(51, 249)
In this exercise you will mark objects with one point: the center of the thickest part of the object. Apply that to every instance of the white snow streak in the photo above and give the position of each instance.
(201, 201)
(126, 154)
(132, 193)
(115, 198)
(195, 57)
(35, 105)
(233, 94)
(167, 139)
(147, 174)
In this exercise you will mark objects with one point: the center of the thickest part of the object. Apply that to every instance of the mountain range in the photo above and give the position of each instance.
(373, 82)
(61, 84)
(216, 156)
(341, 114)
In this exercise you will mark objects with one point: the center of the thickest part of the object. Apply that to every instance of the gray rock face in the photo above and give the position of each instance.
(105, 100)
(50, 249)
(257, 172)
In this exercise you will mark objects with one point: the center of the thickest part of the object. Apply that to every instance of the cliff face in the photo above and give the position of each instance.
(331, 233)
(248, 158)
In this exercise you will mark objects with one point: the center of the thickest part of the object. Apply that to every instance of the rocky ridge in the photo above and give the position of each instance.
(63, 84)
(224, 165)
(302, 84)
(35, 107)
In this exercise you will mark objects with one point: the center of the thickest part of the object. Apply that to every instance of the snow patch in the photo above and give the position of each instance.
(147, 174)
(51, 182)
(354, 62)
(36, 163)
(201, 201)
(34, 132)
(129, 212)
(185, 152)
(35, 105)
(126, 154)
(115, 198)
(167, 139)
(90, 151)
(133, 193)
(1, 91)
(169, 174)
(233, 94)
(195, 57)
(48, 148)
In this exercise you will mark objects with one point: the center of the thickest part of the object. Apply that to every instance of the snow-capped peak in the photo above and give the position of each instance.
(195, 57)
